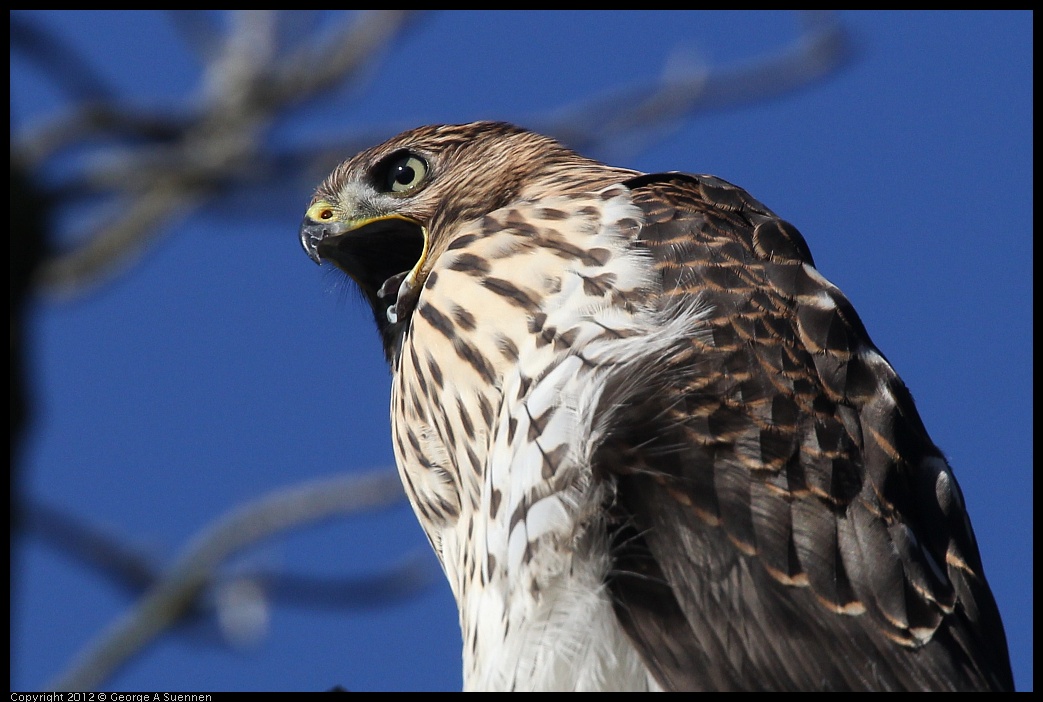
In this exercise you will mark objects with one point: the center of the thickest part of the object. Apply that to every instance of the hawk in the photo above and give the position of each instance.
(652, 446)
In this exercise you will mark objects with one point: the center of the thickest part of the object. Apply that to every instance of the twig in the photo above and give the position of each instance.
(822, 48)
(246, 88)
(173, 595)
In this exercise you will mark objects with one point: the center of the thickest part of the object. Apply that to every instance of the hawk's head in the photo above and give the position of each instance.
(384, 216)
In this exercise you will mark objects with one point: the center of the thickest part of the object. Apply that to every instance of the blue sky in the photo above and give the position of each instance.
(225, 364)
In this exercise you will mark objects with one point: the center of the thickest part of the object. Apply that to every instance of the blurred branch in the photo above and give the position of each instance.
(646, 113)
(164, 167)
(134, 569)
(820, 50)
(315, 70)
(57, 60)
(246, 88)
(93, 122)
(198, 29)
(174, 595)
(129, 567)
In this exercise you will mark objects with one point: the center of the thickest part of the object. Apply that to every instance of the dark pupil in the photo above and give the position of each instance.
(404, 175)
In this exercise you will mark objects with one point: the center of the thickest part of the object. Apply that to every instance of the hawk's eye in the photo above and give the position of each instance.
(402, 173)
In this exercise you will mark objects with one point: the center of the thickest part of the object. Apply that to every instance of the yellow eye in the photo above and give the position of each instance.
(404, 173)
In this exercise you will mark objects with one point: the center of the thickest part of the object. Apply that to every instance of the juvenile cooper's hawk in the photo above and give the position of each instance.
(652, 446)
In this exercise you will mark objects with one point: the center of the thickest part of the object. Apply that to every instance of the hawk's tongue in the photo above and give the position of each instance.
(400, 288)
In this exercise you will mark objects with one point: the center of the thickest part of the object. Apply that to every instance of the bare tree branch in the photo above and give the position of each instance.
(130, 567)
(134, 568)
(248, 85)
(198, 31)
(57, 60)
(343, 56)
(245, 89)
(170, 598)
(821, 49)
(93, 122)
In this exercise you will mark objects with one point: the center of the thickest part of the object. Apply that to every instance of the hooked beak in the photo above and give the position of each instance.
(384, 255)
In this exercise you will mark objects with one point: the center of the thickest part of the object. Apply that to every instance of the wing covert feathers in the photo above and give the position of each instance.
(784, 495)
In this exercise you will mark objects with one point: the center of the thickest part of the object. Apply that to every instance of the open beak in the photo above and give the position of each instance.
(384, 255)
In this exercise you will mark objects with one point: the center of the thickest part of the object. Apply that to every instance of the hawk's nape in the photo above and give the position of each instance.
(652, 446)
